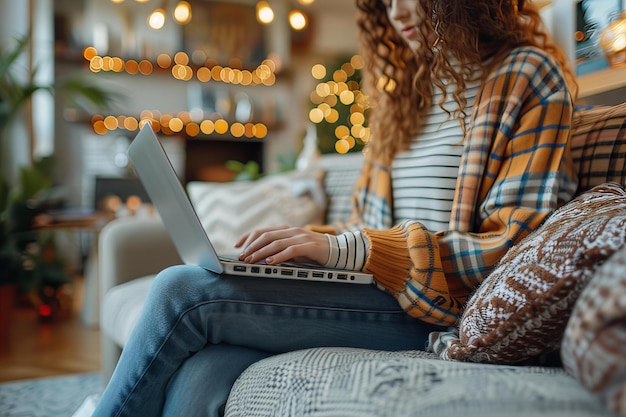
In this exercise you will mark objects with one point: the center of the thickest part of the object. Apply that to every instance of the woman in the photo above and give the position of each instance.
(469, 153)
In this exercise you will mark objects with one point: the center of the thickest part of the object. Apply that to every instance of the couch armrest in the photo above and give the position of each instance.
(130, 248)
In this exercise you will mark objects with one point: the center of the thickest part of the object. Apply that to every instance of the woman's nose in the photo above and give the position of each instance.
(399, 10)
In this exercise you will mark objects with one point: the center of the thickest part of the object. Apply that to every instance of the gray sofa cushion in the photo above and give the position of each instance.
(325, 382)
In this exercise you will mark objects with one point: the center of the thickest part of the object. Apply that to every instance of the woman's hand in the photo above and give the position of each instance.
(283, 244)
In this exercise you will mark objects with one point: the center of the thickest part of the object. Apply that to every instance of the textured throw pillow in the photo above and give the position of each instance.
(594, 345)
(598, 145)
(521, 309)
(228, 210)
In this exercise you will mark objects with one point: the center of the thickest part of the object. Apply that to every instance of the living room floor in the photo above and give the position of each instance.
(61, 346)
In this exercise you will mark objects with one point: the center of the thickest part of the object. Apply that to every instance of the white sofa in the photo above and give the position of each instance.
(348, 382)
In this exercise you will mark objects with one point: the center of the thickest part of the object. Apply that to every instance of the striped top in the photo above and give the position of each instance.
(515, 170)
(423, 179)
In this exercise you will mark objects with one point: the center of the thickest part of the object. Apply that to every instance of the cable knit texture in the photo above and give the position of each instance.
(522, 308)
(594, 345)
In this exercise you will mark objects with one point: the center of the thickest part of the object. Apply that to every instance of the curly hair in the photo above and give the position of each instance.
(474, 34)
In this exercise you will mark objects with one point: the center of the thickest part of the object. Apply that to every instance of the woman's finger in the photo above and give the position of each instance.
(247, 238)
(260, 239)
(292, 244)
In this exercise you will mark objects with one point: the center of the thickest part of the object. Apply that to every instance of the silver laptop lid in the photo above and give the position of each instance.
(171, 201)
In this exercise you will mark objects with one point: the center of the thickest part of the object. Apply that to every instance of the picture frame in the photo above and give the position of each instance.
(592, 16)
(564, 30)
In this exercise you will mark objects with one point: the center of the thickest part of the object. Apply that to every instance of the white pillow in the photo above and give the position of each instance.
(229, 210)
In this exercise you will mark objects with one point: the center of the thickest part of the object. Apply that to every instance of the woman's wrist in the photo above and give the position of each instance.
(347, 251)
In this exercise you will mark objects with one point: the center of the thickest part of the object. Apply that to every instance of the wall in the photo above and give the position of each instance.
(14, 24)
(168, 95)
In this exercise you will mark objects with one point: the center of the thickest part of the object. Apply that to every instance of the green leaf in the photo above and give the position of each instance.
(82, 93)
(52, 274)
(10, 265)
(249, 171)
(236, 166)
(4, 197)
(32, 182)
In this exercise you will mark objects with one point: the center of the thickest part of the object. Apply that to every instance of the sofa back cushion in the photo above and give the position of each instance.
(598, 145)
(342, 172)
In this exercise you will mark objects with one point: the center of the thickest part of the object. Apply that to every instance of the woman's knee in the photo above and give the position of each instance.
(183, 283)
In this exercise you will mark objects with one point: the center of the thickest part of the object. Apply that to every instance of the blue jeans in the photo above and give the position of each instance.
(198, 331)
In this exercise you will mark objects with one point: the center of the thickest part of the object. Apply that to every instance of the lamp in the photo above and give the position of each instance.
(613, 41)
(156, 19)
(264, 12)
(181, 14)
(297, 19)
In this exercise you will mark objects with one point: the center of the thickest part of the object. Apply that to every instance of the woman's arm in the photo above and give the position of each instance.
(515, 171)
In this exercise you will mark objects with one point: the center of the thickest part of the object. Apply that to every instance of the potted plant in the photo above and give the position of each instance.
(20, 265)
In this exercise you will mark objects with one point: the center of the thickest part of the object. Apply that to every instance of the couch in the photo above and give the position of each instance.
(544, 335)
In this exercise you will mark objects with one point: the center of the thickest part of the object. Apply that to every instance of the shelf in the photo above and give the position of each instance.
(76, 116)
(601, 81)
(205, 159)
(74, 58)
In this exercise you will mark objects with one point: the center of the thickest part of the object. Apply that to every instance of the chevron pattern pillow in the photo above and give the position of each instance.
(228, 210)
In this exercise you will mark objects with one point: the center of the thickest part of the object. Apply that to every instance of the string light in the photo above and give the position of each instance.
(297, 19)
(263, 74)
(340, 91)
(173, 124)
(156, 19)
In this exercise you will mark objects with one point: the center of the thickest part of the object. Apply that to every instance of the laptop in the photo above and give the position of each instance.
(191, 240)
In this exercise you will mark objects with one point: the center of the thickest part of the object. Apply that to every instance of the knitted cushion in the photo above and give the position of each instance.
(342, 382)
(522, 307)
(598, 145)
(594, 345)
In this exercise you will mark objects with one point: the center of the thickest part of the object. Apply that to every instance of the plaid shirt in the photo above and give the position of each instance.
(515, 170)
